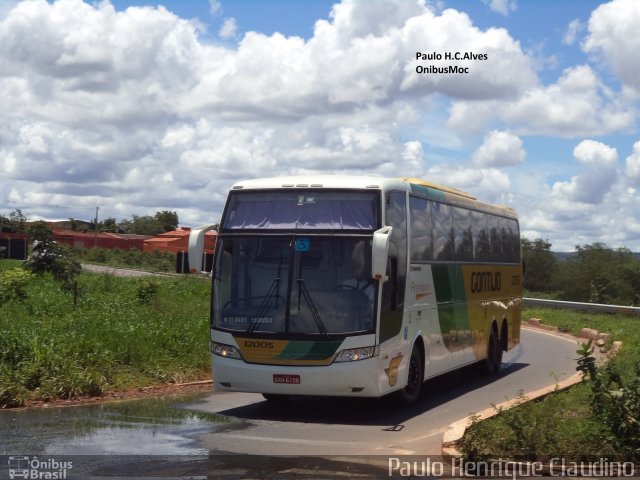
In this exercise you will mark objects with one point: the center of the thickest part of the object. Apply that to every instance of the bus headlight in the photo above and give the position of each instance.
(226, 351)
(354, 354)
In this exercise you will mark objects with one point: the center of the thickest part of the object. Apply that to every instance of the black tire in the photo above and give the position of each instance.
(410, 393)
(499, 352)
(492, 363)
(276, 397)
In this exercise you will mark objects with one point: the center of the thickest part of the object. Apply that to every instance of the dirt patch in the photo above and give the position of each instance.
(144, 392)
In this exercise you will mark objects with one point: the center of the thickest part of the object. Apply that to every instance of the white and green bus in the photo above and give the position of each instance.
(358, 286)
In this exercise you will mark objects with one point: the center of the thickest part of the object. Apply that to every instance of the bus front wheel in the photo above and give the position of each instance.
(411, 391)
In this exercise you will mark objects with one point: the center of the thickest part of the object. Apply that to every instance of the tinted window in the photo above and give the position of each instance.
(481, 242)
(463, 233)
(421, 230)
(289, 210)
(443, 233)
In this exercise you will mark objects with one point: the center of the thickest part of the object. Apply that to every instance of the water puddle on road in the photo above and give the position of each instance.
(156, 426)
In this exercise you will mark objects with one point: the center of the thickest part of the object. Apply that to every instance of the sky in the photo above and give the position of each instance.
(137, 106)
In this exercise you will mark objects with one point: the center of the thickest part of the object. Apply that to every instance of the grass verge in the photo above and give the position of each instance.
(565, 424)
(124, 333)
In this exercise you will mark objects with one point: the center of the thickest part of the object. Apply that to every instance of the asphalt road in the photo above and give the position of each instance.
(337, 427)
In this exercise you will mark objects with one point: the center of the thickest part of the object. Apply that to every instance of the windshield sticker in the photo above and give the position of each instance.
(303, 244)
(246, 319)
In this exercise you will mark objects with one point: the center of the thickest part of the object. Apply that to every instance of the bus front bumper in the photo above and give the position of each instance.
(345, 379)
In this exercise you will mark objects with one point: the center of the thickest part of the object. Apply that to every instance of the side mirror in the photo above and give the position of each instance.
(380, 253)
(196, 247)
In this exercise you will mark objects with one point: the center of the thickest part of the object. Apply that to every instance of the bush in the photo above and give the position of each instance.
(13, 283)
(147, 291)
(614, 400)
(12, 392)
(49, 257)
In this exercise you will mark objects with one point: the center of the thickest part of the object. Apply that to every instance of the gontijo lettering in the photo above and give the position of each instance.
(485, 282)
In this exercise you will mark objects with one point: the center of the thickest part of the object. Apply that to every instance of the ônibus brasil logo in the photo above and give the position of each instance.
(34, 468)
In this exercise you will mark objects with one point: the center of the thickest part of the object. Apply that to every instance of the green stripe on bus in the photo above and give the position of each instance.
(429, 192)
(451, 298)
(448, 281)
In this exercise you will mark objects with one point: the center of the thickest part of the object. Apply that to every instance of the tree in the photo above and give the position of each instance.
(540, 264)
(17, 221)
(109, 225)
(161, 222)
(39, 231)
(144, 225)
(168, 220)
(48, 256)
(599, 274)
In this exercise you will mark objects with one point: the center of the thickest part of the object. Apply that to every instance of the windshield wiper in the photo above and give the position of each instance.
(314, 311)
(273, 292)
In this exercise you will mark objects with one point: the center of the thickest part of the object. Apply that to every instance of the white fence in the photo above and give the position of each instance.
(587, 307)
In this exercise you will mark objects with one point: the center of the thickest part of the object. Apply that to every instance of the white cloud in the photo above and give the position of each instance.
(595, 205)
(613, 35)
(500, 149)
(573, 29)
(229, 28)
(632, 162)
(505, 73)
(503, 7)
(597, 177)
(215, 7)
(578, 104)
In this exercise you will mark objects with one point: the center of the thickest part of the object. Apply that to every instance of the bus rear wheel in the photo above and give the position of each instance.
(410, 393)
(492, 363)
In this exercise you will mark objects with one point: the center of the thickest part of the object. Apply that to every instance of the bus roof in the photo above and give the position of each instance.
(413, 185)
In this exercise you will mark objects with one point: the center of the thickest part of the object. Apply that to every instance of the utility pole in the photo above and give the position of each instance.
(95, 236)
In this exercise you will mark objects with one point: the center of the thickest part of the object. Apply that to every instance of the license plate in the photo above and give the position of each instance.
(282, 378)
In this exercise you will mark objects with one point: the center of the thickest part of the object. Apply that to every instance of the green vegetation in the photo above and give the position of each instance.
(49, 257)
(597, 418)
(124, 333)
(16, 223)
(161, 221)
(596, 273)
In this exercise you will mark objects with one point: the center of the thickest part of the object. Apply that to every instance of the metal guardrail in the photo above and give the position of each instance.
(587, 307)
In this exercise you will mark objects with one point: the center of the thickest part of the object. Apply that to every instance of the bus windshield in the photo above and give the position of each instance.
(294, 284)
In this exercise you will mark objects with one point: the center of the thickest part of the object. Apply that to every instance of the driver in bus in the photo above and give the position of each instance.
(361, 280)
